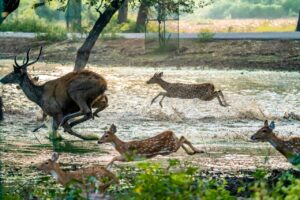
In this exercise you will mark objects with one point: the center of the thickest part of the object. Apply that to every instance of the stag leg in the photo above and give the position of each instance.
(95, 113)
(160, 94)
(222, 96)
(183, 141)
(54, 133)
(70, 116)
(74, 133)
(83, 119)
(39, 127)
(84, 110)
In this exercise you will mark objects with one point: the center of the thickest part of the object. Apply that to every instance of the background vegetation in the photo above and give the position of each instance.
(236, 9)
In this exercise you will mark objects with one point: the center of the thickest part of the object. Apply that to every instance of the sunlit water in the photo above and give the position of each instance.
(253, 96)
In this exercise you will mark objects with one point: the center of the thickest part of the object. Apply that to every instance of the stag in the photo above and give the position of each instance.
(65, 98)
(204, 91)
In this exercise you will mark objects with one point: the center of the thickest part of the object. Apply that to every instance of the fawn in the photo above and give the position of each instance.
(163, 144)
(204, 91)
(80, 176)
(288, 148)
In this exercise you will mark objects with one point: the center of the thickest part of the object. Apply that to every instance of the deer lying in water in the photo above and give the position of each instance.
(162, 144)
(104, 177)
(100, 103)
(204, 91)
(288, 148)
(64, 98)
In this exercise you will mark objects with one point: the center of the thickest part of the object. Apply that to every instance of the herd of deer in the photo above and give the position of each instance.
(77, 93)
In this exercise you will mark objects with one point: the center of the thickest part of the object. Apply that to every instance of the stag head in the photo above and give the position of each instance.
(20, 71)
(155, 78)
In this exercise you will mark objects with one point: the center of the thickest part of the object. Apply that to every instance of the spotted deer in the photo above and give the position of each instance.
(204, 91)
(103, 176)
(288, 148)
(64, 98)
(163, 144)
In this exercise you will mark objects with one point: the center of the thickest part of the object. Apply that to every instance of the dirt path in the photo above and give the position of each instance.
(275, 55)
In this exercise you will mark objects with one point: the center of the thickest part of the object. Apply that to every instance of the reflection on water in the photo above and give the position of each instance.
(253, 96)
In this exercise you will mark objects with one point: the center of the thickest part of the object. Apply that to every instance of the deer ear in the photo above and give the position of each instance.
(113, 128)
(272, 125)
(54, 157)
(160, 74)
(266, 123)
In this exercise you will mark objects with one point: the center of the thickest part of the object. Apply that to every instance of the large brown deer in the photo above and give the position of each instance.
(104, 177)
(100, 103)
(64, 98)
(288, 148)
(163, 144)
(204, 91)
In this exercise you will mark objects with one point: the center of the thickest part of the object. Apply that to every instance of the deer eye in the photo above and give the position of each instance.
(264, 131)
(106, 135)
(46, 163)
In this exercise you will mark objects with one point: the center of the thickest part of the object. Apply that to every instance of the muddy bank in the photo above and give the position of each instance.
(271, 55)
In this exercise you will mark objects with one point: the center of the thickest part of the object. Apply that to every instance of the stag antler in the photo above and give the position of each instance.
(26, 59)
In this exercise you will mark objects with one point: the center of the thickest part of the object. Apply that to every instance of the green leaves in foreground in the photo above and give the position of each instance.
(154, 182)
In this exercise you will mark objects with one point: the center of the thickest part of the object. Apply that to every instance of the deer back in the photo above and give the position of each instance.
(165, 142)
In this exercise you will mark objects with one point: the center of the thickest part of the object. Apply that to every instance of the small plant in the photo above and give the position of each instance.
(206, 36)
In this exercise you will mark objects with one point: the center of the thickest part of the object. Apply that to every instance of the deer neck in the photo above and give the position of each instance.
(59, 175)
(280, 145)
(32, 91)
(164, 84)
(118, 144)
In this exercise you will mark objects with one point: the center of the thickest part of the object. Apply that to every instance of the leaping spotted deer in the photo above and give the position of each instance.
(288, 148)
(204, 91)
(163, 144)
(104, 177)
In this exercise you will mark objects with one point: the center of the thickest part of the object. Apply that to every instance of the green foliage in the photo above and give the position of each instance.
(151, 181)
(292, 6)
(254, 9)
(46, 32)
(286, 187)
(206, 36)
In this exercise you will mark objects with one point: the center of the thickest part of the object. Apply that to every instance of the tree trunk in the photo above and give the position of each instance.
(84, 51)
(298, 24)
(73, 15)
(1, 109)
(123, 13)
(142, 17)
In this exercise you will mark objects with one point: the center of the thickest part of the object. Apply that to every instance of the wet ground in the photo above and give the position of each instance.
(223, 133)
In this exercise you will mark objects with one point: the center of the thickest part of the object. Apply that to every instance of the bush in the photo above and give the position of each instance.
(205, 36)
(150, 181)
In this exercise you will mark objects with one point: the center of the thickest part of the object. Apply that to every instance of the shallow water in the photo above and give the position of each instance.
(222, 132)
